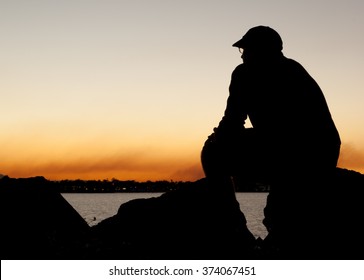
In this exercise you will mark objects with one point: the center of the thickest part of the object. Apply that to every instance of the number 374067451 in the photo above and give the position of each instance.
(233, 270)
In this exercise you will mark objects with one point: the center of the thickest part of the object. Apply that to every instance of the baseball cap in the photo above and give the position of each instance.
(260, 37)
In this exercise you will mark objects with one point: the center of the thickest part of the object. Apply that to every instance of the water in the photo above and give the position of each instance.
(95, 207)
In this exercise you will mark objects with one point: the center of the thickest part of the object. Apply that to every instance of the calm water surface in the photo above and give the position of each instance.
(95, 207)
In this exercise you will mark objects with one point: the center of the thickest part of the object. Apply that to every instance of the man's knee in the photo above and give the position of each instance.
(210, 156)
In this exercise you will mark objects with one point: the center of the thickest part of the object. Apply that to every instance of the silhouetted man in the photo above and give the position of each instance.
(293, 145)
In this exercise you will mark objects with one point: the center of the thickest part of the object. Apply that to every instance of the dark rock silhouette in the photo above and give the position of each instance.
(188, 223)
(37, 222)
(331, 227)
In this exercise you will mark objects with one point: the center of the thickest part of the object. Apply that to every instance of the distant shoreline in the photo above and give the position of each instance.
(153, 192)
(117, 186)
(132, 186)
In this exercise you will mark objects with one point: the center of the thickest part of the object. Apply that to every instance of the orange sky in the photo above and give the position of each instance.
(139, 167)
(141, 161)
(131, 89)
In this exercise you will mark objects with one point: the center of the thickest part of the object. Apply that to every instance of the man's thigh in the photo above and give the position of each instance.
(242, 155)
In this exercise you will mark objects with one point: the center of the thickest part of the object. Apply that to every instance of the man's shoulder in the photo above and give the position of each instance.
(283, 63)
(241, 68)
(292, 63)
(295, 69)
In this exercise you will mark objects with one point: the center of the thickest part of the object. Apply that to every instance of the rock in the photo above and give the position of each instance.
(346, 215)
(38, 223)
(188, 223)
(322, 221)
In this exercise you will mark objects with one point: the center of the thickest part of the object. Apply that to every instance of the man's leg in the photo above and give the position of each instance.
(241, 156)
(216, 165)
(297, 214)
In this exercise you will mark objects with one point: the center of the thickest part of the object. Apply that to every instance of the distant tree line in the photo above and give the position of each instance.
(115, 185)
(134, 186)
(342, 177)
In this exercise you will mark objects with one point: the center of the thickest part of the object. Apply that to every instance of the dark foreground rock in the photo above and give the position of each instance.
(37, 222)
(322, 221)
(188, 223)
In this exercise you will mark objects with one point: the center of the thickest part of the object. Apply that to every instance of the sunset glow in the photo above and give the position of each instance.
(131, 89)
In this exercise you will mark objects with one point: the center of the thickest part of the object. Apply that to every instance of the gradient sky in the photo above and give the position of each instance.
(131, 89)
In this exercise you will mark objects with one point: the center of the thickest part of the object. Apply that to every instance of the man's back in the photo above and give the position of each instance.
(280, 97)
(288, 112)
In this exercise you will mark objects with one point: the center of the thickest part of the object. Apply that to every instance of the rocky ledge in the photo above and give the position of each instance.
(188, 223)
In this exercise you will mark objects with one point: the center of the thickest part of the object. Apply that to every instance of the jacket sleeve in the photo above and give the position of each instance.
(235, 113)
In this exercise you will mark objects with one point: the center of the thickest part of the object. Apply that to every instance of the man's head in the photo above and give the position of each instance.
(261, 41)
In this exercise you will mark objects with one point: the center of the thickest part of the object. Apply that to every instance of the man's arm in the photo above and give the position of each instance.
(235, 113)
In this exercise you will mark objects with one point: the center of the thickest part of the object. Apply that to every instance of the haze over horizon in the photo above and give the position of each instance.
(131, 89)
